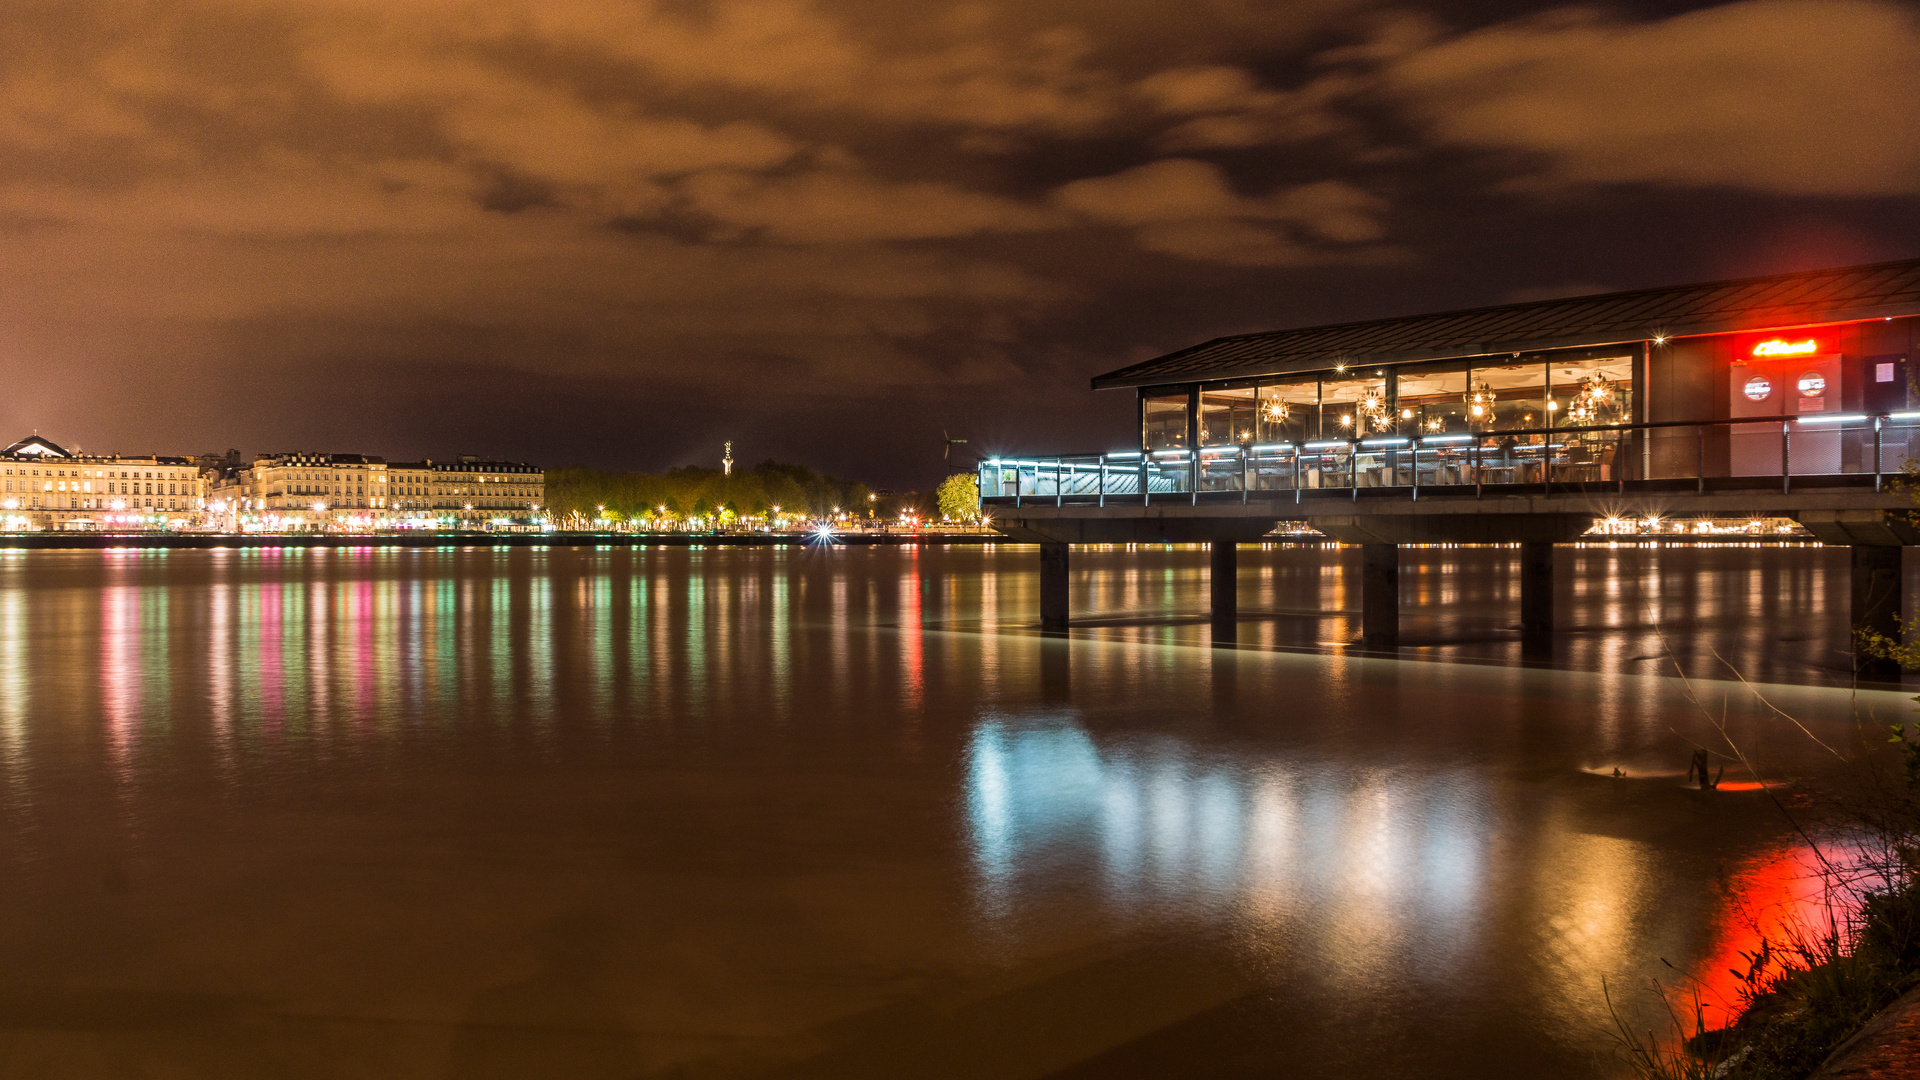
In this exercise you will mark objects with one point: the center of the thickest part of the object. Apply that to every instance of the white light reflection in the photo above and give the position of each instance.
(220, 696)
(1368, 870)
(120, 668)
(13, 677)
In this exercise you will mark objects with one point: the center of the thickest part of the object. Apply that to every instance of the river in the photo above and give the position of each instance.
(843, 812)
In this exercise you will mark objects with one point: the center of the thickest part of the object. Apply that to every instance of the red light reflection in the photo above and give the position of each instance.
(1771, 896)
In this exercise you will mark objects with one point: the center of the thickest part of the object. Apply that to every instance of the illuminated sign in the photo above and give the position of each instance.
(1812, 384)
(1777, 347)
(1757, 388)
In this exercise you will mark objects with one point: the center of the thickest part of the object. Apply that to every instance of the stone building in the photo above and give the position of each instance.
(46, 486)
(304, 491)
(301, 491)
(473, 490)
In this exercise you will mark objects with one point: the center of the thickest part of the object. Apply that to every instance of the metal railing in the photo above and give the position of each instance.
(1766, 447)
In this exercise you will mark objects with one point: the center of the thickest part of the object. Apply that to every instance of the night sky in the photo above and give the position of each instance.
(617, 233)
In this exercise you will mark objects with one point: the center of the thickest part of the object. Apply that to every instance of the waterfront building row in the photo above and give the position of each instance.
(44, 485)
(312, 490)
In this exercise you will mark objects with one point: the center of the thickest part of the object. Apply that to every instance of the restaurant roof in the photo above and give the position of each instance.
(1842, 294)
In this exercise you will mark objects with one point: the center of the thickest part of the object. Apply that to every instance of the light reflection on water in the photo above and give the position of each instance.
(1161, 830)
(841, 812)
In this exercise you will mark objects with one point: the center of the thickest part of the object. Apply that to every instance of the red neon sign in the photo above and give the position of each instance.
(1782, 347)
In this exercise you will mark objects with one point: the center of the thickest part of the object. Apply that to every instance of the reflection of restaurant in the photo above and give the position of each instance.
(1610, 387)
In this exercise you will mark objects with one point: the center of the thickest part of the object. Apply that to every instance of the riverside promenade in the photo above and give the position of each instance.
(101, 541)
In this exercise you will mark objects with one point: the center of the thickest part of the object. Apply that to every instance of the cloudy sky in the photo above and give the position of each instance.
(620, 232)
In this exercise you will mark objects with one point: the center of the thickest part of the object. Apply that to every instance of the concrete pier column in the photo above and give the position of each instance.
(1053, 588)
(1876, 603)
(1224, 583)
(1380, 595)
(1536, 591)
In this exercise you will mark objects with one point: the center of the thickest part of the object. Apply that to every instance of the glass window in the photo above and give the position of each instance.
(1164, 421)
(1226, 416)
(1592, 392)
(1433, 402)
(1350, 408)
(1288, 412)
(1512, 395)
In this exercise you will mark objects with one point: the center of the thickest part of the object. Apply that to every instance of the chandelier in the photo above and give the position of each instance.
(1374, 409)
(1479, 400)
(1596, 400)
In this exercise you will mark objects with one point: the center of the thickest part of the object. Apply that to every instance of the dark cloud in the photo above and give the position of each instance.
(621, 231)
(1802, 97)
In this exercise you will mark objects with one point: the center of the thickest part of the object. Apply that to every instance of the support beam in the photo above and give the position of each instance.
(1225, 582)
(1876, 603)
(1380, 595)
(1053, 588)
(1536, 592)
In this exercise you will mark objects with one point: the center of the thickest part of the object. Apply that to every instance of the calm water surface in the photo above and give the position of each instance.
(837, 812)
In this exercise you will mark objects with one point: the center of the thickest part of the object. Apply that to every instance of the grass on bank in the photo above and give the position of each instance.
(1806, 989)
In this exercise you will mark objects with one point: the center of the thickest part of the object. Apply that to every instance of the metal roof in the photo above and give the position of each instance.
(1842, 294)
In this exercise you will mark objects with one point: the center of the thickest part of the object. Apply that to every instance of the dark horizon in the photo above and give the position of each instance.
(619, 236)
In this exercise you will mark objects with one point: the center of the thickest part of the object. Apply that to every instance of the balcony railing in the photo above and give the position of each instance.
(1745, 452)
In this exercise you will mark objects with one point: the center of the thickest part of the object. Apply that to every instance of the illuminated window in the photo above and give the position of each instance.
(1164, 421)
(1227, 416)
(1593, 392)
(1514, 395)
(1353, 407)
(1439, 401)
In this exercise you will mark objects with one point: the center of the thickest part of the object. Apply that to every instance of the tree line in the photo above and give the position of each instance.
(708, 494)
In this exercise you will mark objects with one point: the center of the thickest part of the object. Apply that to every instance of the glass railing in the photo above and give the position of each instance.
(1739, 452)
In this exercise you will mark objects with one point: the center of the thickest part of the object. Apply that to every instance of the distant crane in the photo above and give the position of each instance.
(949, 442)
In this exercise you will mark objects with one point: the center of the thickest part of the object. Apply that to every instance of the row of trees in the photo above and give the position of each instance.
(770, 488)
(695, 492)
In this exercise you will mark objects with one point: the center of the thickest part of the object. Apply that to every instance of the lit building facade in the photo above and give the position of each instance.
(301, 491)
(410, 487)
(46, 486)
(470, 489)
(310, 491)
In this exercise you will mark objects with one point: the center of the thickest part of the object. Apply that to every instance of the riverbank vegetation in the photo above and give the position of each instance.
(958, 498)
(579, 493)
(794, 493)
(1809, 985)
